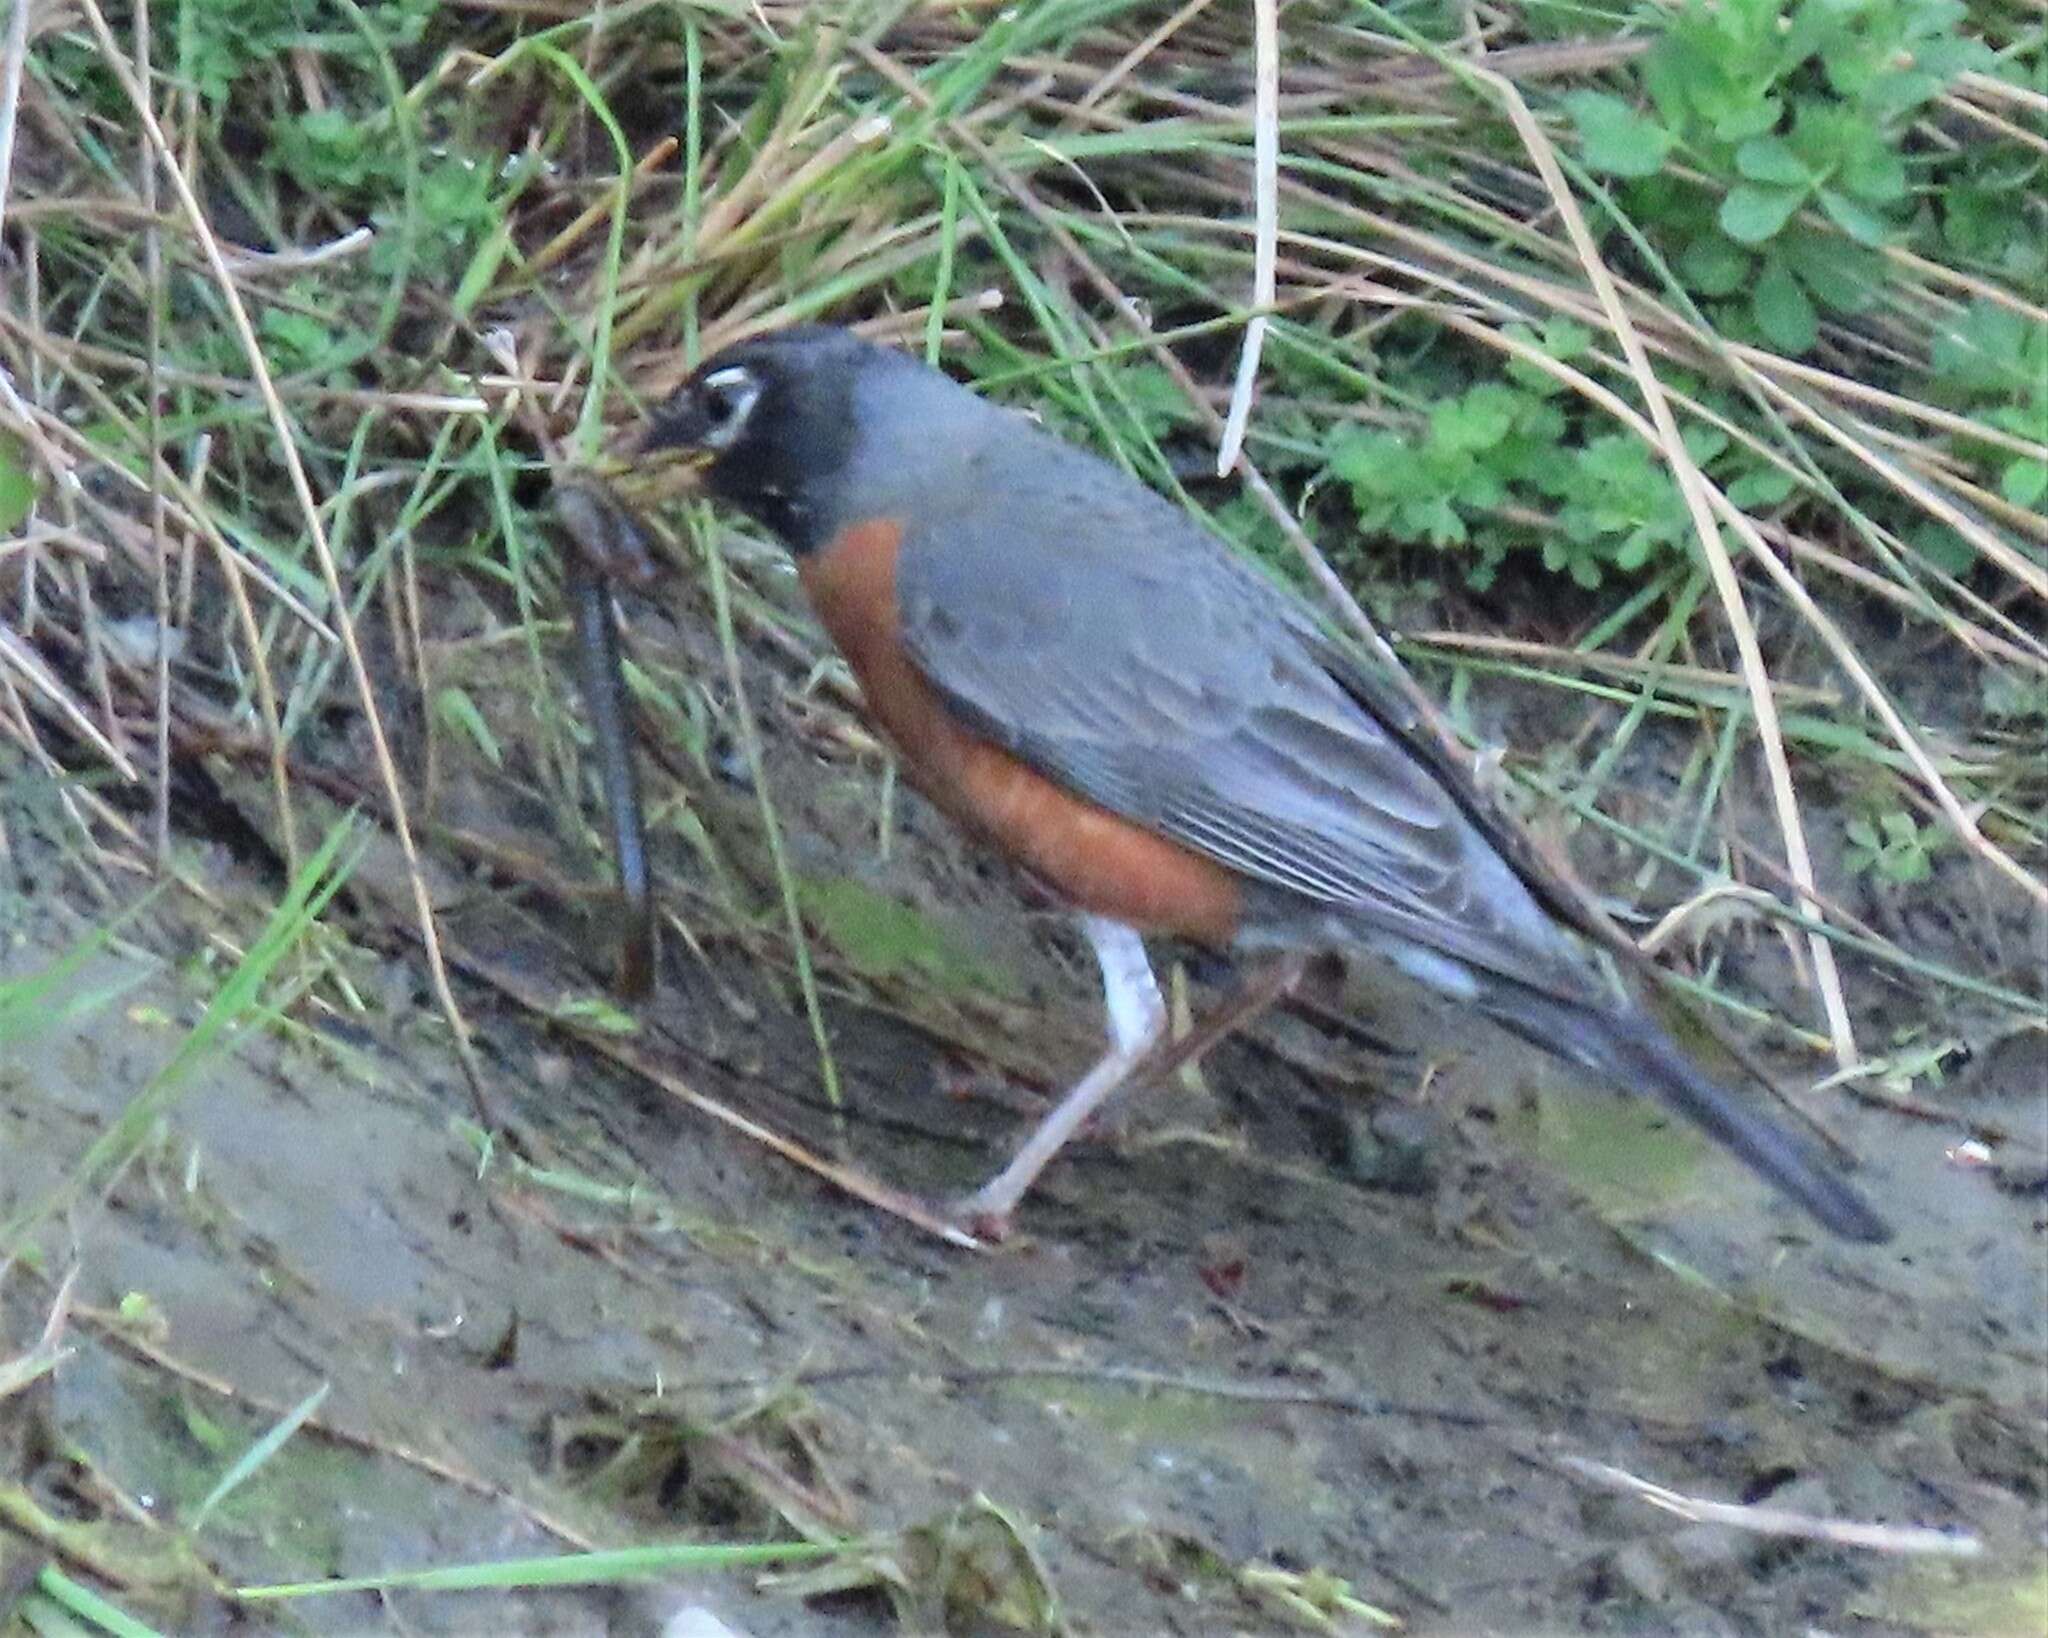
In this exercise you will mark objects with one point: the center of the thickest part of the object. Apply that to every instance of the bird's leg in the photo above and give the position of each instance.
(1137, 1019)
(1247, 999)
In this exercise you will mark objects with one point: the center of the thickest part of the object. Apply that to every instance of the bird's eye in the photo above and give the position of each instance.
(727, 398)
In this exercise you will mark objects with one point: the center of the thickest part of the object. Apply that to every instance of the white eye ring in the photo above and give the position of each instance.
(728, 397)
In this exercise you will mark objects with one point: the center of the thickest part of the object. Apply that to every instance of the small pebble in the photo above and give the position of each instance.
(1395, 1150)
(698, 1622)
(1641, 1568)
(1708, 1547)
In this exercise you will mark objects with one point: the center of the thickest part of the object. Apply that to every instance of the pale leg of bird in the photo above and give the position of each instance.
(1137, 1019)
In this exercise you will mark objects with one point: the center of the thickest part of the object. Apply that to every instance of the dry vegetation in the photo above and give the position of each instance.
(1713, 417)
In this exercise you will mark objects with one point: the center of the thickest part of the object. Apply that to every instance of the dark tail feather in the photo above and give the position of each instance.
(1629, 1049)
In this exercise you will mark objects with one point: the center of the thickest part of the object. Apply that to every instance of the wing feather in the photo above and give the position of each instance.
(1136, 662)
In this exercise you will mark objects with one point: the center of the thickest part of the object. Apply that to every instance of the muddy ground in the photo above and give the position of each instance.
(1340, 1309)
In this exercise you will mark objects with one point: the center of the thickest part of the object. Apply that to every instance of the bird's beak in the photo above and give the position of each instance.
(661, 462)
(676, 427)
(669, 457)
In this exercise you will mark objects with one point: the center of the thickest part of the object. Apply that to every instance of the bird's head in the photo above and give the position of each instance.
(770, 422)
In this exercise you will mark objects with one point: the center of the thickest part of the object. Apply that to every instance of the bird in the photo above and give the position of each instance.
(1082, 675)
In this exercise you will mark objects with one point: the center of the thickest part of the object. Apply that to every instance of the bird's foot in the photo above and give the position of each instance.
(987, 1222)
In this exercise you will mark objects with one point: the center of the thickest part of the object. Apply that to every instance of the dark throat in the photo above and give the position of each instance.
(787, 471)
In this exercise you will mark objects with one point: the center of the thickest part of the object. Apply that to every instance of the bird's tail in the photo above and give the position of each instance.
(1628, 1048)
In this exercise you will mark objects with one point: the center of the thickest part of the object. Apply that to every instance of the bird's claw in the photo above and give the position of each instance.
(987, 1221)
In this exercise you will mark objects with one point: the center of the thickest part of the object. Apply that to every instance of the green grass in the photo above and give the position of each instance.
(1825, 242)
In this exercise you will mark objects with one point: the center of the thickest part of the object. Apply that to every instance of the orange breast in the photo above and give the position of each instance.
(1098, 860)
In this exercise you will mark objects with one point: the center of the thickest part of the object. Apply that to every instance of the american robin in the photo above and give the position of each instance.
(1075, 670)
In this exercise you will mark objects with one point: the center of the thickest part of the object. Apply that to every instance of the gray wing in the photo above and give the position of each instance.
(1117, 648)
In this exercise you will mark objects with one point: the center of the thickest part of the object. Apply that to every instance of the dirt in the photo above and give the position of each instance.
(1343, 1309)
